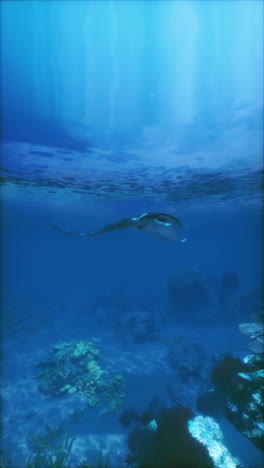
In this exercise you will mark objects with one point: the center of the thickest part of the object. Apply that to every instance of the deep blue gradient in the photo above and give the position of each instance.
(111, 109)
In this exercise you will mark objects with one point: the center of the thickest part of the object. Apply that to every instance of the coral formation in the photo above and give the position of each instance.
(255, 331)
(238, 393)
(74, 367)
(173, 437)
(208, 433)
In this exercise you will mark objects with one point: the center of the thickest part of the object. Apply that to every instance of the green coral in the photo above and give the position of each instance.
(75, 367)
(94, 370)
(85, 348)
(94, 401)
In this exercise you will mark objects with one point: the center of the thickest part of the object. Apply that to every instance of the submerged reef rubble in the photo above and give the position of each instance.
(74, 367)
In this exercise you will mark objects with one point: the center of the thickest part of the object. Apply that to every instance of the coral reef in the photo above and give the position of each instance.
(167, 443)
(74, 367)
(208, 433)
(255, 331)
(174, 437)
(238, 393)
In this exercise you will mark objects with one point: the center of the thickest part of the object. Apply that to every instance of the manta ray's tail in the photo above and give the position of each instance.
(108, 228)
(74, 233)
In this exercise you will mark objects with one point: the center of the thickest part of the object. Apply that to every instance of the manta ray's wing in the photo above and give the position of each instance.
(122, 224)
(167, 232)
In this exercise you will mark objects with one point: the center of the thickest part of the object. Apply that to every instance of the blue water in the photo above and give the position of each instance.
(112, 109)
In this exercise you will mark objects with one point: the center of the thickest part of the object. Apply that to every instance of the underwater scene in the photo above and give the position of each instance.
(132, 234)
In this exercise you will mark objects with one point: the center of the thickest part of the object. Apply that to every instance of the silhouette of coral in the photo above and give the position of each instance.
(255, 331)
(170, 445)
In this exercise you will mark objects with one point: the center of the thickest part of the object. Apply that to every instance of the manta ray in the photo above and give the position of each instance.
(161, 224)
